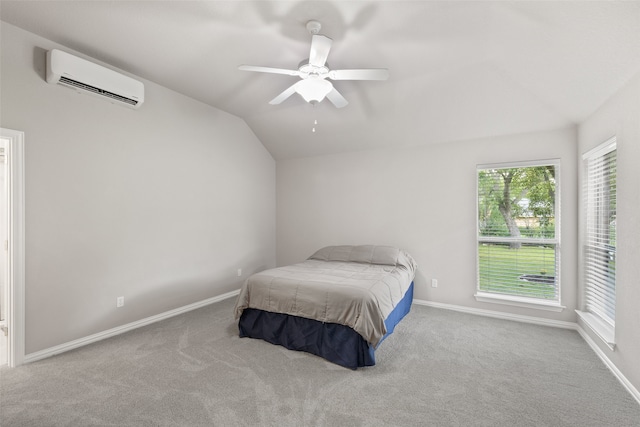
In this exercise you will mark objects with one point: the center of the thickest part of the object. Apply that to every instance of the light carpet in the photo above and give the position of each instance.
(439, 368)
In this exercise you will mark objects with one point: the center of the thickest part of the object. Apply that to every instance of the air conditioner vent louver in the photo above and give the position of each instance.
(70, 82)
(93, 79)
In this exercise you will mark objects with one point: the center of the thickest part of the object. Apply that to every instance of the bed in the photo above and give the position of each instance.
(339, 304)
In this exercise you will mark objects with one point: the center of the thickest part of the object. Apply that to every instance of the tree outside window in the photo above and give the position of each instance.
(517, 230)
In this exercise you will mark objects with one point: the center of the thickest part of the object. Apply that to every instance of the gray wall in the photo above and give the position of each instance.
(423, 200)
(160, 205)
(620, 116)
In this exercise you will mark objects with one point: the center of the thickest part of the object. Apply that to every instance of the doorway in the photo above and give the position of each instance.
(4, 255)
(12, 266)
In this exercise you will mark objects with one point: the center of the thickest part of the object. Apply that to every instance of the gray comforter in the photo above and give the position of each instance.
(356, 286)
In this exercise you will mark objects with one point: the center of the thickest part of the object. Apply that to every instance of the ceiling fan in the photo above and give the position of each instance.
(314, 72)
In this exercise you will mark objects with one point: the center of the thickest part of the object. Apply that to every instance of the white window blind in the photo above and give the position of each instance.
(518, 231)
(600, 234)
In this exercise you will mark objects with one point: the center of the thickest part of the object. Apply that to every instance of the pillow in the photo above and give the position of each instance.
(333, 253)
(369, 254)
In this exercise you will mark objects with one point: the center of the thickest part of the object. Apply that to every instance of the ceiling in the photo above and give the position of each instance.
(458, 70)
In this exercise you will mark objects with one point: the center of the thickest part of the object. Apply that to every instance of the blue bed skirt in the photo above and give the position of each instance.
(336, 343)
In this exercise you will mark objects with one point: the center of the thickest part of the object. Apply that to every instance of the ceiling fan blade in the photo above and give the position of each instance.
(269, 70)
(337, 99)
(320, 47)
(363, 74)
(284, 95)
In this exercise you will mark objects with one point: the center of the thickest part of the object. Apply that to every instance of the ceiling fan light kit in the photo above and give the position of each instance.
(313, 90)
(314, 86)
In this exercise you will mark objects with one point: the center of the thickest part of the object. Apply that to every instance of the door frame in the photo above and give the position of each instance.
(14, 153)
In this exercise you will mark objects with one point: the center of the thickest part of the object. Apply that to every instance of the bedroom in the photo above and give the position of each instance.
(139, 203)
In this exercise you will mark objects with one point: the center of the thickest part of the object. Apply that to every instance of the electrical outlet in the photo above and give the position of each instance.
(119, 302)
(239, 272)
(434, 283)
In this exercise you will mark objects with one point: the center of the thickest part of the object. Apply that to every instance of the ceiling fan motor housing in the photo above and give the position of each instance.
(305, 68)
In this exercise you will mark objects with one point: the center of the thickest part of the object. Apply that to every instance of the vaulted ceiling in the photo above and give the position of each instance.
(458, 69)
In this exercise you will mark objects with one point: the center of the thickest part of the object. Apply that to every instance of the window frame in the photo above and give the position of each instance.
(603, 328)
(516, 300)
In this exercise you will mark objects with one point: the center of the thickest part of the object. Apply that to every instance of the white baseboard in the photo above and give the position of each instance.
(612, 367)
(48, 352)
(500, 315)
(545, 322)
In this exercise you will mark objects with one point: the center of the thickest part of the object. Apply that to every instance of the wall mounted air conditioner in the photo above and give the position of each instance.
(94, 79)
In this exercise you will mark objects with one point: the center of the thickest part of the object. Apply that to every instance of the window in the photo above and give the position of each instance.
(518, 234)
(599, 239)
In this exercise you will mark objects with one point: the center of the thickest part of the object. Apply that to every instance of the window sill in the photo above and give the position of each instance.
(537, 304)
(603, 330)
